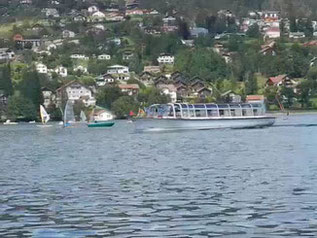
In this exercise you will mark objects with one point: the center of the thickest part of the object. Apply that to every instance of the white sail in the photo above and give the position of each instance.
(69, 116)
(45, 117)
(83, 117)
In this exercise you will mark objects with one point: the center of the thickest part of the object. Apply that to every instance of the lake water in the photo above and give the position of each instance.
(89, 182)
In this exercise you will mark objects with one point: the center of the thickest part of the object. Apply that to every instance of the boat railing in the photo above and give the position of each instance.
(193, 111)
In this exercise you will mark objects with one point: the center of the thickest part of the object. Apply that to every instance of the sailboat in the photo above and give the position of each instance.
(45, 117)
(69, 116)
(83, 118)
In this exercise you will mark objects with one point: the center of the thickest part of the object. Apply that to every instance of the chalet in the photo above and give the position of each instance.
(204, 92)
(93, 9)
(49, 97)
(131, 4)
(98, 16)
(79, 18)
(198, 31)
(118, 69)
(274, 15)
(79, 56)
(268, 49)
(182, 91)
(104, 57)
(75, 91)
(130, 89)
(51, 12)
(51, 46)
(68, 34)
(114, 17)
(179, 83)
(41, 68)
(255, 99)
(6, 54)
(99, 27)
(165, 59)
(161, 80)
(104, 79)
(296, 35)
(127, 55)
(170, 90)
(134, 12)
(197, 85)
(62, 71)
(26, 43)
(81, 69)
(169, 24)
(272, 33)
(152, 69)
(146, 78)
(281, 80)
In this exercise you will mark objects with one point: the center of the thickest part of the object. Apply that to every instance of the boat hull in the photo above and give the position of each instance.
(101, 124)
(202, 124)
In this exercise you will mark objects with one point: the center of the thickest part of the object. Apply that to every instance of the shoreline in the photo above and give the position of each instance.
(293, 112)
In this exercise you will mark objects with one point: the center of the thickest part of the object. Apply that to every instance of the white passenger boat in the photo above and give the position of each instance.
(170, 117)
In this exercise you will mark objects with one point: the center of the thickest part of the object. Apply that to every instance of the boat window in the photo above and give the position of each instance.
(201, 113)
(245, 105)
(212, 113)
(211, 105)
(223, 105)
(170, 112)
(247, 112)
(177, 110)
(185, 113)
(190, 106)
(192, 112)
(184, 106)
(200, 106)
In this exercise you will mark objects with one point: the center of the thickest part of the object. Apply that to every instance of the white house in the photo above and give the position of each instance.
(103, 115)
(41, 68)
(102, 80)
(6, 54)
(99, 27)
(93, 9)
(62, 71)
(79, 56)
(118, 69)
(165, 59)
(48, 97)
(170, 90)
(68, 34)
(80, 68)
(51, 12)
(297, 35)
(104, 57)
(51, 46)
(98, 16)
(273, 32)
(76, 91)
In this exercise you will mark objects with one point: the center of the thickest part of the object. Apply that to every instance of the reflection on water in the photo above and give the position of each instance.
(113, 182)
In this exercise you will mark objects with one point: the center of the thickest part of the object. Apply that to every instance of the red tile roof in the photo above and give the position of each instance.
(277, 79)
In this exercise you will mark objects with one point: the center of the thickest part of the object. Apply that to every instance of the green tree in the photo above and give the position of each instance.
(288, 96)
(123, 105)
(251, 85)
(149, 96)
(5, 79)
(254, 31)
(21, 108)
(30, 87)
(107, 95)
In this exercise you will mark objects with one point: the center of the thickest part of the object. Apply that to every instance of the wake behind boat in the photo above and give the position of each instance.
(169, 117)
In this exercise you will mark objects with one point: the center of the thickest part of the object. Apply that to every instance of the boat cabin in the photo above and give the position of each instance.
(205, 111)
